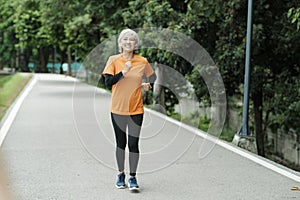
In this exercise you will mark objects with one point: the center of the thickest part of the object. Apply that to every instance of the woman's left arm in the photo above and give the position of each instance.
(149, 82)
(151, 79)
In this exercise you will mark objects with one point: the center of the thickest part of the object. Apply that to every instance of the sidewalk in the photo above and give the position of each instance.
(61, 147)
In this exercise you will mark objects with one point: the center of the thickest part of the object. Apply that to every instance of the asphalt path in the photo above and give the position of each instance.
(59, 144)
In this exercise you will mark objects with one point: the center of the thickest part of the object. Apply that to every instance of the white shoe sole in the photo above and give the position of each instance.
(121, 187)
(134, 189)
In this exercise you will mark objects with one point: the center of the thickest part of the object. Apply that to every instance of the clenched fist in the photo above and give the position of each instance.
(146, 86)
(127, 67)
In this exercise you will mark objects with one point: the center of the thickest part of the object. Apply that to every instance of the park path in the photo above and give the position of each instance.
(60, 146)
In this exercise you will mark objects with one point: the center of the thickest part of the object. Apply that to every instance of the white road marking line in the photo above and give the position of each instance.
(9, 120)
(15, 108)
(255, 158)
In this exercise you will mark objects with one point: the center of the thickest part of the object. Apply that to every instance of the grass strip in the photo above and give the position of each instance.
(10, 88)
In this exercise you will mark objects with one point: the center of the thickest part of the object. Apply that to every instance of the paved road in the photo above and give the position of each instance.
(60, 146)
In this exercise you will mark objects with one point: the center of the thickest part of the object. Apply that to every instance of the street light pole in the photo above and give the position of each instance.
(53, 64)
(245, 129)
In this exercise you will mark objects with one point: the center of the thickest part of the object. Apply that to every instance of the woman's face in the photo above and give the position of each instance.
(128, 42)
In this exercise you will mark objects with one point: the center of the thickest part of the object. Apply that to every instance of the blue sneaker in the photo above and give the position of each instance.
(132, 183)
(121, 181)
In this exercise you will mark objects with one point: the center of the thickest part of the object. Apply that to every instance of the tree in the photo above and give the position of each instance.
(274, 61)
(272, 46)
(8, 52)
(158, 14)
(31, 37)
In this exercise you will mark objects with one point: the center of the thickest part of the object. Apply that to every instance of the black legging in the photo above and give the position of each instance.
(134, 123)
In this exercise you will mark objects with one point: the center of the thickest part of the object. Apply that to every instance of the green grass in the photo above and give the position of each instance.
(4, 79)
(10, 87)
(203, 123)
(227, 134)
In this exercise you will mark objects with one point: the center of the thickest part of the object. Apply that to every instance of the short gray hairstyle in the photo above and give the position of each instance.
(123, 33)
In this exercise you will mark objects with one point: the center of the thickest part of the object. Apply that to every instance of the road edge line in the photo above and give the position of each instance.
(280, 169)
(12, 112)
(253, 157)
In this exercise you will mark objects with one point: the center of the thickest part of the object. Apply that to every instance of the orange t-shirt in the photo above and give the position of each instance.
(127, 92)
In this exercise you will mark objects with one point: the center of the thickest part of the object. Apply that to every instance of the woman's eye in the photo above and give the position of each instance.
(130, 39)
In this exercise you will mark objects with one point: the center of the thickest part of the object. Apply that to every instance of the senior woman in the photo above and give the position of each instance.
(124, 72)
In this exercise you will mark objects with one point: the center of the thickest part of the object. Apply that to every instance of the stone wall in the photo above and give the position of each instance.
(285, 147)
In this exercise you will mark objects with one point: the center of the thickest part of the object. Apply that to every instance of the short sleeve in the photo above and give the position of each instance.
(109, 68)
(148, 69)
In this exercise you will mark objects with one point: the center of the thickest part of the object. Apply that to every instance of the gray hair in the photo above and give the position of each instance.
(123, 33)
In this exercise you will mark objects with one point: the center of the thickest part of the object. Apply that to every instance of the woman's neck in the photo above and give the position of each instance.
(127, 55)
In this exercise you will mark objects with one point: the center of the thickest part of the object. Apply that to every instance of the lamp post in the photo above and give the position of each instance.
(245, 129)
(243, 138)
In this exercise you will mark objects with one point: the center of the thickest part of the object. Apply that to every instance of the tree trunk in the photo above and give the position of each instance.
(43, 56)
(69, 62)
(158, 90)
(25, 55)
(258, 122)
(18, 59)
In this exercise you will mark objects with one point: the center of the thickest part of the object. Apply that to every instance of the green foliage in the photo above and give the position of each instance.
(227, 134)
(294, 15)
(285, 106)
(27, 24)
(153, 13)
(197, 120)
(7, 35)
(230, 47)
(202, 122)
(174, 115)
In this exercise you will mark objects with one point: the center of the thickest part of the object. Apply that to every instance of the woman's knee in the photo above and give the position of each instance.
(133, 146)
(121, 145)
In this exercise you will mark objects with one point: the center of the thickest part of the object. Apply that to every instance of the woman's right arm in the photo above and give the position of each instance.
(110, 80)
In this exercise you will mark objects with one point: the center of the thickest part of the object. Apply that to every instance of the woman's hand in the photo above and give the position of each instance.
(127, 67)
(146, 86)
